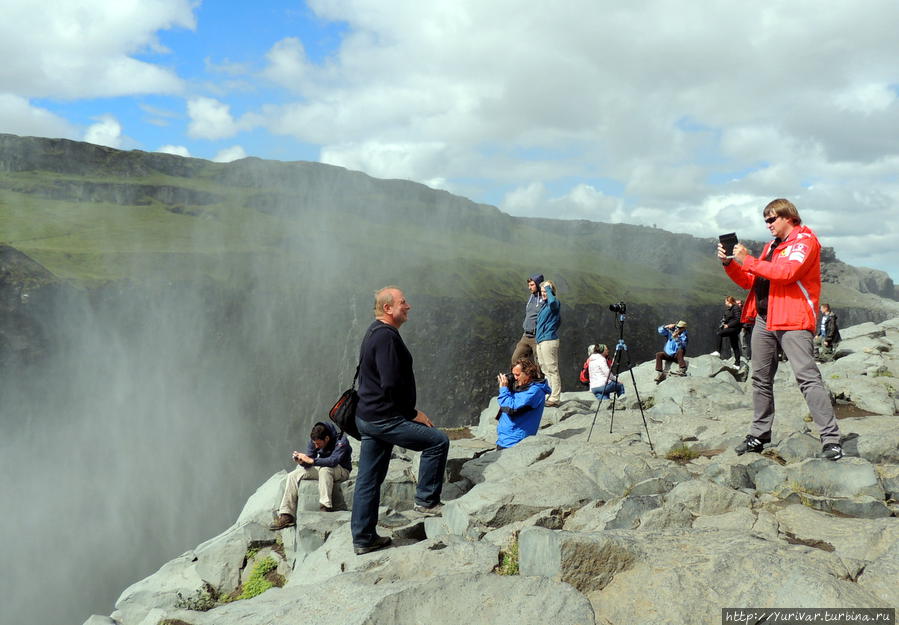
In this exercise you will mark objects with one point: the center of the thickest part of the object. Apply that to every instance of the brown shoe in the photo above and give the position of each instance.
(323, 508)
(283, 520)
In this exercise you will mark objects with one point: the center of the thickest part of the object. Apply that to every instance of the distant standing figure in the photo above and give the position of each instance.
(327, 459)
(746, 333)
(527, 346)
(520, 407)
(675, 348)
(387, 416)
(602, 381)
(784, 285)
(828, 330)
(547, 337)
(730, 328)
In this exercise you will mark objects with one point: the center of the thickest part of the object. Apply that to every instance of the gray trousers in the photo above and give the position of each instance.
(797, 345)
(525, 348)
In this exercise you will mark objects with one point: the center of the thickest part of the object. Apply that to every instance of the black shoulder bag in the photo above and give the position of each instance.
(343, 412)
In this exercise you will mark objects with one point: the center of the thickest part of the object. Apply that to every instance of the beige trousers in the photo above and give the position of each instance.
(326, 477)
(548, 355)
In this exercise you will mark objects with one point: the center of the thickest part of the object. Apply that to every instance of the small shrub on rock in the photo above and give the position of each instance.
(509, 559)
(682, 454)
(261, 579)
(202, 600)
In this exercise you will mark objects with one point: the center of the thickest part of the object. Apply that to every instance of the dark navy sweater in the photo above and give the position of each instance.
(386, 379)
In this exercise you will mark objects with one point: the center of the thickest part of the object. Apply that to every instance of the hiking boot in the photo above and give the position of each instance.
(379, 543)
(662, 375)
(681, 371)
(551, 404)
(323, 508)
(832, 451)
(750, 443)
(283, 520)
(432, 511)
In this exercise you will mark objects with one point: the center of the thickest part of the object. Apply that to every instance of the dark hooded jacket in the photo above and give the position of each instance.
(336, 452)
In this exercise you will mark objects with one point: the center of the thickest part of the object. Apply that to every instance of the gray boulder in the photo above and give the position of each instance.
(518, 496)
(685, 576)
(622, 513)
(484, 598)
(702, 497)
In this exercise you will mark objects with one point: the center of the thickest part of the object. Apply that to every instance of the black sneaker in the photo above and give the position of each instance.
(379, 543)
(750, 443)
(832, 451)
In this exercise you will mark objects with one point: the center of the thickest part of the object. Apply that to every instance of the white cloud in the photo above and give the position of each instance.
(699, 125)
(414, 161)
(86, 49)
(288, 65)
(210, 119)
(19, 117)
(234, 153)
(177, 150)
(527, 201)
(106, 131)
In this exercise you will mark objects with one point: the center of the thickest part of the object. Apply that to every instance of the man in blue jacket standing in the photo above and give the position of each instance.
(327, 459)
(675, 348)
(527, 346)
(521, 408)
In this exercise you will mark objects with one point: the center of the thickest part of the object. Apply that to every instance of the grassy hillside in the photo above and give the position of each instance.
(216, 221)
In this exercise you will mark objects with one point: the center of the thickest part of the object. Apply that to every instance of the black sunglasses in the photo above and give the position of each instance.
(771, 220)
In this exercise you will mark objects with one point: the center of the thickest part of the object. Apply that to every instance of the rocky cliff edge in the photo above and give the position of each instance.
(604, 531)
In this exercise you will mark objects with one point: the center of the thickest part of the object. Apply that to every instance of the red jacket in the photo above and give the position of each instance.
(795, 276)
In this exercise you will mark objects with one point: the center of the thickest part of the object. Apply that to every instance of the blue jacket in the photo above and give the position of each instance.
(548, 319)
(336, 452)
(674, 344)
(520, 412)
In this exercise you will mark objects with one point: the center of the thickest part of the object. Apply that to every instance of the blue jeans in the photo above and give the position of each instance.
(378, 439)
(605, 391)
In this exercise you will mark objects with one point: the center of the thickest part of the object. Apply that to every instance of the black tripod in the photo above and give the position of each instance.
(620, 348)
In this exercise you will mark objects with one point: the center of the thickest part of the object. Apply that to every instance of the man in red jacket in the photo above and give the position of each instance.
(784, 285)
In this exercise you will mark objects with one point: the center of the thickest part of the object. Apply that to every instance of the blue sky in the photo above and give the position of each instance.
(691, 117)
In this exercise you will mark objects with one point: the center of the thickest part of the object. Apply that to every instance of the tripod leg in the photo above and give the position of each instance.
(640, 405)
(599, 405)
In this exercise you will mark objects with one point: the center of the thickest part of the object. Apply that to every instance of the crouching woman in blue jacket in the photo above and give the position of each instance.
(520, 408)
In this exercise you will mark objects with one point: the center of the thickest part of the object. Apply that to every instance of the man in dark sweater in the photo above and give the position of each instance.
(327, 459)
(386, 416)
(527, 344)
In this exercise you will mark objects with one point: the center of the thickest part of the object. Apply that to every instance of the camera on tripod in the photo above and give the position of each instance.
(619, 308)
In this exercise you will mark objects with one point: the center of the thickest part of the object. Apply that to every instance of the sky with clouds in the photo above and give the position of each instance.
(688, 116)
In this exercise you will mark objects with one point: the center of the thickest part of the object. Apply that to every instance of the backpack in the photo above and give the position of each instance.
(585, 373)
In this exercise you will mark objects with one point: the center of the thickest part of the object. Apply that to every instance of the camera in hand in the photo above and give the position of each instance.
(619, 308)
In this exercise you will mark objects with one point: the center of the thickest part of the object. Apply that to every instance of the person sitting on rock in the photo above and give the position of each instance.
(602, 381)
(328, 459)
(675, 348)
(521, 407)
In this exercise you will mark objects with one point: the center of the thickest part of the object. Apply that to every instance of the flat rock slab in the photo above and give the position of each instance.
(687, 576)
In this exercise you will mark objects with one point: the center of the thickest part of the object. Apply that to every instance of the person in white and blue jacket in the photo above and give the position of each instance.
(675, 348)
(521, 406)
